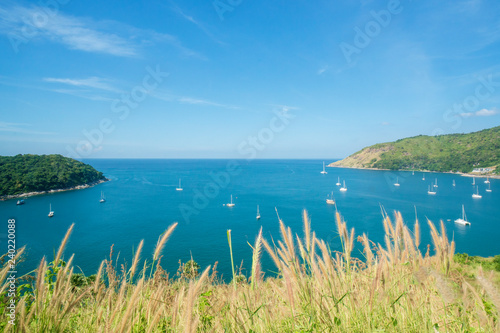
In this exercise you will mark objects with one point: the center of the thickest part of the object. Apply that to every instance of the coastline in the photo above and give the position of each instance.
(30, 194)
(478, 175)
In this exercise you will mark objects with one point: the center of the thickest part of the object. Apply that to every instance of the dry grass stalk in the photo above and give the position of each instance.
(161, 241)
(63, 245)
(321, 291)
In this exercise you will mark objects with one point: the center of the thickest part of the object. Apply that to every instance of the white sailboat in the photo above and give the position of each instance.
(102, 198)
(473, 181)
(338, 182)
(463, 220)
(430, 192)
(487, 181)
(330, 201)
(477, 195)
(258, 214)
(343, 188)
(51, 212)
(179, 188)
(231, 204)
(413, 173)
(397, 182)
(454, 182)
(423, 176)
(436, 184)
(324, 172)
(489, 188)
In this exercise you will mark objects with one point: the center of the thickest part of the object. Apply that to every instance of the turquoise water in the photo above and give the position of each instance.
(142, 202)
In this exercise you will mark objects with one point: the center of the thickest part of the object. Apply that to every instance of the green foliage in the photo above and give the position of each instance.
(204, 307)
(240, 278)
(191, 269)
(443, 153)
(30, 173)
(79, 280)
(474, 261)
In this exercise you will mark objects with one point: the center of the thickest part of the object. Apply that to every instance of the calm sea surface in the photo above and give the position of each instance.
(142, 202)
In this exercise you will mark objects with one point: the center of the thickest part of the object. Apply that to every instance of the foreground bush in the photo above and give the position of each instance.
(396, 288)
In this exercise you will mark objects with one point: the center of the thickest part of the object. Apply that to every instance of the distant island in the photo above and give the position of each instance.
(477, 152)
(24, 175)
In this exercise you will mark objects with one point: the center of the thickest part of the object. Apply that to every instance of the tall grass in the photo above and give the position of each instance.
(395, 288)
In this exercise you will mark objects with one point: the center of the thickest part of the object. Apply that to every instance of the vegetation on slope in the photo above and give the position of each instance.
(443, 153)
(33, 173)
(396, 289)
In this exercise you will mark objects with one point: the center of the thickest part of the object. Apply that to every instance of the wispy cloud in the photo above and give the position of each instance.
(191, 19)
(284, 108)
(196, 101)
(169, 97)
(91, 82)
(480, 113)
(81, 93)
(83, 34)
(322, 70)
(20, 128)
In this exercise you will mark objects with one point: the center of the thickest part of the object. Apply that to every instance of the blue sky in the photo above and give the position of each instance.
(240, 78)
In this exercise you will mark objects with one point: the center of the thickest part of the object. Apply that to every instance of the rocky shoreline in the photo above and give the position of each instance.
(30, 194)
(478, 175)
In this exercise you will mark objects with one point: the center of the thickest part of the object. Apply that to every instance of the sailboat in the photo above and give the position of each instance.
(343, 188)
(454, 182)
(423, 176)
(487, 181)
(231, 204)
(463, 220)
(476, 195)
(436, 184)
(397, 181)
(51, 212)
(324, 172)
(473, 181)
(258, 214)
(179, 188)
(413, 173)
(429, 191)
(489, 188)
(338, 182)
(330, 200)
(102, 198)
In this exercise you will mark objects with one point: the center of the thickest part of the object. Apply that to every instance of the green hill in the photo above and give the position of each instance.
(36, 173)
(443, 153)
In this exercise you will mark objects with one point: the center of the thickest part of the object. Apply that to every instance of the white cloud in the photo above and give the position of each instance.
(486, 113)
(20, 128)
(83, 34)
(480, 113)
(322, 70)
(91, 82)
(191, 19)
(190, 100)
(169, 97)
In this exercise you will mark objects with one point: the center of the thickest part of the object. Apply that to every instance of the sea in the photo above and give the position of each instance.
(142, 201)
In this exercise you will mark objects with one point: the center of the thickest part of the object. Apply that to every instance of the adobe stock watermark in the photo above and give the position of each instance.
(469, 106)
(224, 6)
(35, 22)
(122, 107)
(454, 115)
(394, 179)
(373, 28)
(248, 148)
